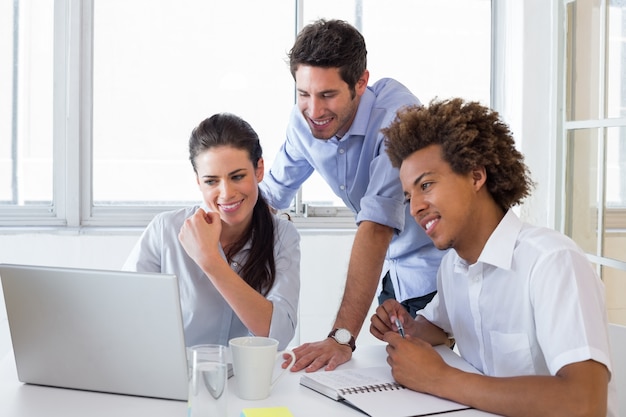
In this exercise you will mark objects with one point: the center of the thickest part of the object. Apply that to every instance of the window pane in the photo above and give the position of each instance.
(616, 56)
(162, 67)
(26, 46)
(616, 98)
(582, 190)
(158, 71)
(584, 66)
(436, 48)
(616, 167)
(615, 283)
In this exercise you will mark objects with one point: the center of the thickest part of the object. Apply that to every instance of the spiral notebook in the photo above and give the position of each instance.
(374, 391)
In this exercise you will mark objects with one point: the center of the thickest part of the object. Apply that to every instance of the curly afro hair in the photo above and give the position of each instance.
(470, 135)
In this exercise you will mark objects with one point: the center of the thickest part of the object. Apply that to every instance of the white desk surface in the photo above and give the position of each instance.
(25, 400)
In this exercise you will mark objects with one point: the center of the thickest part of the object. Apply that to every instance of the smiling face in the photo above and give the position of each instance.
(325, 100)
(229, 184)
(445, 204)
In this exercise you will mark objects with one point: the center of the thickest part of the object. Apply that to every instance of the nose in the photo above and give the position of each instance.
(226, 190)
(416, 206)
(314, 107)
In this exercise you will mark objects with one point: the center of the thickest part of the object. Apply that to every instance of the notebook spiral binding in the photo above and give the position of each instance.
(371, 388)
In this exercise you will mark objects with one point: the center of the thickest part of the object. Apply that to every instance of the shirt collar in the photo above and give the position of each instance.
(498, 250)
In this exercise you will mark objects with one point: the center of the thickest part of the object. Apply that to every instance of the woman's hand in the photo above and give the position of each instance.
(200, 236)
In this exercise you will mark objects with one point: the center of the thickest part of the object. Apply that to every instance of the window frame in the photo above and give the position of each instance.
(610, 219)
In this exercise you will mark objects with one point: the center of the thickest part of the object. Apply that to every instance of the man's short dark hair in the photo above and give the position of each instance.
(331, 44)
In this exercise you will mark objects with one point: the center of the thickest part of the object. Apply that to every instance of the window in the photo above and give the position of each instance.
(437, 49)
(594, 138)
(106, 92)
(26, 171)
(595, 116)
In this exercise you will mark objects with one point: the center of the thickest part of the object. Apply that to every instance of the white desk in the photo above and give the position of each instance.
(24, 400)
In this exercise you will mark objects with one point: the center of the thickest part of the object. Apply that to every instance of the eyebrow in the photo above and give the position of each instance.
(335, 90)
(415, 182)
(420, 177)
(229, 174)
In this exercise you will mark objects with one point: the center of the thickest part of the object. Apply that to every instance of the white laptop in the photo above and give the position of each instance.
(106, 331)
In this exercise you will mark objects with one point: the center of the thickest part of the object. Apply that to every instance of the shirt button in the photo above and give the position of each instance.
(342, 187)
(342, 151)
(234, 264)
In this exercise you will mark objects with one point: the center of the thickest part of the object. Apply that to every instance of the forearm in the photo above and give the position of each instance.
(252, 308)
(366, 261)
(580, 390)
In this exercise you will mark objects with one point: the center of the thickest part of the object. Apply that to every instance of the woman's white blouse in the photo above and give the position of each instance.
(207, 317)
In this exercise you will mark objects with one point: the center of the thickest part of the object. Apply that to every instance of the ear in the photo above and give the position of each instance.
(361, 83)
(479, 177)
(260, 170)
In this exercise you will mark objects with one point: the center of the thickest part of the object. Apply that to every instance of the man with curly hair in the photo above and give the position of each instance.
(523, 302)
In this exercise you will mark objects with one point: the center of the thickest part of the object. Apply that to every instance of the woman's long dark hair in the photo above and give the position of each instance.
(225, 129)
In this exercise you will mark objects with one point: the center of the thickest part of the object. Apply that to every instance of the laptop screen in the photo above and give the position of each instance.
(108, 331)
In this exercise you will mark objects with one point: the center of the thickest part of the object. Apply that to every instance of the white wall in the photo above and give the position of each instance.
(539, 113)
(324, 265)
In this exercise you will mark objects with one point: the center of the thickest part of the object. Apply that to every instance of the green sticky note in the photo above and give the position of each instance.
(266, 412)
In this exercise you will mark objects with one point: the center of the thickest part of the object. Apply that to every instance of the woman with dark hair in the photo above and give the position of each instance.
(238, 264)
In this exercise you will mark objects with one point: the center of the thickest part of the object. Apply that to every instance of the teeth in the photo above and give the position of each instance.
(429, 224)
(319, 123)
(229, 206)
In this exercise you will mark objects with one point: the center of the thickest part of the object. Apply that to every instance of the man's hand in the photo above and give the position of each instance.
(366, 260)
(383, 320)
(414, 363)
(327, 354)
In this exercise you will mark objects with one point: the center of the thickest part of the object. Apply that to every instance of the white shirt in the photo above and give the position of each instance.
(207, 317)
(530, 305)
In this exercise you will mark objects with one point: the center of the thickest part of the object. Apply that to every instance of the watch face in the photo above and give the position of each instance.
(343, 336)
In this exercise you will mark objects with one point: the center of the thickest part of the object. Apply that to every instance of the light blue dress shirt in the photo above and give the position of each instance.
(207, 317)
(359, 171)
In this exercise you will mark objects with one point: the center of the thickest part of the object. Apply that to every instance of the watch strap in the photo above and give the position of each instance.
(350, 343)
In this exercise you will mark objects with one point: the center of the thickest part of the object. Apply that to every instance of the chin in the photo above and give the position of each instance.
(320, 136)
(443, 245)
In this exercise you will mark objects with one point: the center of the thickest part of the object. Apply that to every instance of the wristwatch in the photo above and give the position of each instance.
(343, 337)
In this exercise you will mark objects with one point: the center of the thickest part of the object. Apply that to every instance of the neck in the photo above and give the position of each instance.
(481, 229)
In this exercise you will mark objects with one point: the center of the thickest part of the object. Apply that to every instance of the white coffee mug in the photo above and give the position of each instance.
(254, 359)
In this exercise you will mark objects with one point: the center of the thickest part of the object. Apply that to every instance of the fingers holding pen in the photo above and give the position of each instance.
(384, 319)
(379, 323)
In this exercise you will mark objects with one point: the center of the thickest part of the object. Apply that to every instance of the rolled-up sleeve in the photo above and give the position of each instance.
(383, 202)
(291, 166)
(285, 293)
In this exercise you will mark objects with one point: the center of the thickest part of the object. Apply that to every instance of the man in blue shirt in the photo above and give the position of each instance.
(335, 130)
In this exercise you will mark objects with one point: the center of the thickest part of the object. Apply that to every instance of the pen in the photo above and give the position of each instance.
(400, 328)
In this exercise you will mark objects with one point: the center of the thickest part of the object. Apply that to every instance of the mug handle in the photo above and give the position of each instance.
(282, 372)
